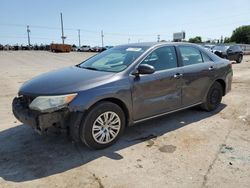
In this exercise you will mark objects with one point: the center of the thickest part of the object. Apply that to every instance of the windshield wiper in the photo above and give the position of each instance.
(90, 68)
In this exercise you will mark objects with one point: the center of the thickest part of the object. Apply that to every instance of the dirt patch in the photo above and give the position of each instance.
(168, 149)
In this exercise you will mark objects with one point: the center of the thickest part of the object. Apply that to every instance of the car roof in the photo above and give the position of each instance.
(228, 45)
(153, 44)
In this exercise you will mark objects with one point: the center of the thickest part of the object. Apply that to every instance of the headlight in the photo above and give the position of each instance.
(51, 103)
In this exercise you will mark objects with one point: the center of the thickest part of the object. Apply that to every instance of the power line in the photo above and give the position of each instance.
(127, 36)
(106, 33)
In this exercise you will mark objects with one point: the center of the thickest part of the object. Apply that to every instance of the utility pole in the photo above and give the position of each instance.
(63, 37)
(221, 39)
(28, 32)
(128, 40)
(158, 38)
(79, 37)
(102, 38)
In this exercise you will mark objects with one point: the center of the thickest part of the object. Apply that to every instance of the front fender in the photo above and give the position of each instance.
(88, 98)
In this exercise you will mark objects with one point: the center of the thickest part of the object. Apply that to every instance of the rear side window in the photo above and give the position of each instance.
(206, 58)
(190, 55)
(162, 58)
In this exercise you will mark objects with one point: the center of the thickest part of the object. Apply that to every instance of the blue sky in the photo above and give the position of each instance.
(121, 21)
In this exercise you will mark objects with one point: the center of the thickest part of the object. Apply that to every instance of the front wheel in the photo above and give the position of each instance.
(102, 126)
(239, 59)
(213, 98)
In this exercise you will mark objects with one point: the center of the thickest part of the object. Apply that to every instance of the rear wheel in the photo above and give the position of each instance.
(102, 126)
(213, 98)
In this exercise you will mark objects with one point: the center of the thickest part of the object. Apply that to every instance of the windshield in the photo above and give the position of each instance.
(221, 48)
(113, 60)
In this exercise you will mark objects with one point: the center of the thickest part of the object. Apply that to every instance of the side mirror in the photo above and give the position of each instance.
(144, 69)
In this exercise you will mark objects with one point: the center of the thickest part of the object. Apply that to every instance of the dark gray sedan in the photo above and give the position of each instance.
(96, 99)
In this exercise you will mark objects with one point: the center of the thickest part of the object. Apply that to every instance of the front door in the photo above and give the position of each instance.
(160, 92)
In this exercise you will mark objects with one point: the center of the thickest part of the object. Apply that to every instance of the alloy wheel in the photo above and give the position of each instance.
(106, 127)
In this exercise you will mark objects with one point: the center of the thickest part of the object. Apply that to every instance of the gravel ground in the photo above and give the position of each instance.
(190, 148)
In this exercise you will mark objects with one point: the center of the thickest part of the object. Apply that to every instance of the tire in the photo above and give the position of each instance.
(239, 60)
(213, 98)
(95, 132)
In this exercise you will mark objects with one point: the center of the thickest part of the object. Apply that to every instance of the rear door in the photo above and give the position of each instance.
(159, 92)
(198, 74)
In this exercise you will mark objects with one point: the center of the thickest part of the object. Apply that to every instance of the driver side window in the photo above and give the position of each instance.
(162, 58)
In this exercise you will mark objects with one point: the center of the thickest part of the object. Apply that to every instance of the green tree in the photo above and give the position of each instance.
(241, 35)
(196, 39)
(227, 40)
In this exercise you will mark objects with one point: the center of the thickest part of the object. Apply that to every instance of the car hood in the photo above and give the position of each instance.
(63, 81)
(220, 50)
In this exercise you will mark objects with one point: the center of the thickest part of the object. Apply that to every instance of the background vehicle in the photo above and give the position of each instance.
(108, 47)
(27, 47)
(127, 84)
(74, 48)
(8, 47)
(95, 49)
(208, 47)
(98, 49)
(16, 47)
(231, 52)
(85, 48)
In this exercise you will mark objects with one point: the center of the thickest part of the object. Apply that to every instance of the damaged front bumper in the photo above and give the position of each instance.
(37, 120)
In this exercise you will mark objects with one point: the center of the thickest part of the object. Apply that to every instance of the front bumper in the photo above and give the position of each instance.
(35, 119)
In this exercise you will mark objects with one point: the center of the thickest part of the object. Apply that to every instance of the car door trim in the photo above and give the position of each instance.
(165, 113)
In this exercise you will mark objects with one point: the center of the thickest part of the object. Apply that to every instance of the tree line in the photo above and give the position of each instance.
(240, 35)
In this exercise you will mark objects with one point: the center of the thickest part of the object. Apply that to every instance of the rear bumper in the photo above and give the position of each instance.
(37, 120)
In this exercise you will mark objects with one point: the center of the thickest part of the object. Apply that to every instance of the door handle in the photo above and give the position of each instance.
(178, 75)
(211, 68)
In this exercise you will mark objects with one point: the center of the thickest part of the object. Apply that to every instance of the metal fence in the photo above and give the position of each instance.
(245, 48)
